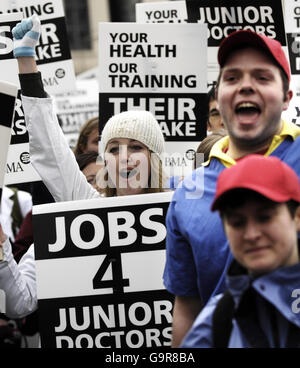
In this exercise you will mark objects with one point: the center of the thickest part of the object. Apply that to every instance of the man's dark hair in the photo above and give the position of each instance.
(211, 94)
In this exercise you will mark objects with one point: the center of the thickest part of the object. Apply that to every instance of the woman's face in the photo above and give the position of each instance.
(92, 141)
(257, 239)
(90, 171)
(128, 165)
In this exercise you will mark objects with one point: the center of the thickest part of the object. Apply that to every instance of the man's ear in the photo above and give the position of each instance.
(287, 100)
(297, 218)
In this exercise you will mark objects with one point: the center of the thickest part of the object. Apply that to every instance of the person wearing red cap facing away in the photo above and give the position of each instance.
(259, 203)
(252, 91)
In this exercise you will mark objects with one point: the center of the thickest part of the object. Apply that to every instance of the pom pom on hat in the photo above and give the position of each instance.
(138, 125)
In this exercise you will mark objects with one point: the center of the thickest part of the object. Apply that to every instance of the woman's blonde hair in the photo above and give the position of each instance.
(87, 128)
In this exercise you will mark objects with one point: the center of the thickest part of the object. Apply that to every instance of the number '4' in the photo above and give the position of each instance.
(117, 283)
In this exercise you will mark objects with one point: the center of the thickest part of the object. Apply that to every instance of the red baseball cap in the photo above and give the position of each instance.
(267, 176)
(246, 37)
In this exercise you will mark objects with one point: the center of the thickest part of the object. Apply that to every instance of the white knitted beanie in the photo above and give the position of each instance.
(139, 125)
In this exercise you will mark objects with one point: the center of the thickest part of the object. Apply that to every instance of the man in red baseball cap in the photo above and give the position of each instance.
(259, 203)
(252, 91)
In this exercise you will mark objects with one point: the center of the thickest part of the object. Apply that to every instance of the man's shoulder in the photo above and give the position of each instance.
(209, 173)
(199, 182)
(291, 155)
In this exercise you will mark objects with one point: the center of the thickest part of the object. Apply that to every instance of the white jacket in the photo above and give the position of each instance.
(50, 154)
(56, 164)
(18, 282)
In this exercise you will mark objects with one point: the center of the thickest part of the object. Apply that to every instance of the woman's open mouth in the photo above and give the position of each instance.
(127, 174)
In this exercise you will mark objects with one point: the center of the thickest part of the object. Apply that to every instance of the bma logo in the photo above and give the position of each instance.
(60, 73)
(2, 301)
(190, 154)
(25, 158)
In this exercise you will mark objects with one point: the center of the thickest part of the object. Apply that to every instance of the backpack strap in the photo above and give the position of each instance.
(222, 321)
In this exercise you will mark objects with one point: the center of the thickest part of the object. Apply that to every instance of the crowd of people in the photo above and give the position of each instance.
(232, 250)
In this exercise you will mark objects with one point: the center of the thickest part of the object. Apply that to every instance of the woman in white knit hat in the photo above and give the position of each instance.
(131, 144)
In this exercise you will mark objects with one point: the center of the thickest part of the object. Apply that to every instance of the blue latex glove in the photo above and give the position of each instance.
(26, 36)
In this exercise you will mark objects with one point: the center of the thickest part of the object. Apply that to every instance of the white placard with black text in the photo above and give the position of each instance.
(160, 68)
(262, 16)
(54, 62)
(107, 289)
(161, 12)
(292, 28)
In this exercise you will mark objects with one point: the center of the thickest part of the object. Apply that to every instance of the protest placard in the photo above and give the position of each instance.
(74, 108)
(52, 52)
(292, 28)
(160, 68)
(8, 94)
(55, 64)
(224, 17)
(99, 266)
(161, 12)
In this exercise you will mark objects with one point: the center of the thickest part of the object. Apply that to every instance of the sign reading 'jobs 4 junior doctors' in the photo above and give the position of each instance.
(99, 266)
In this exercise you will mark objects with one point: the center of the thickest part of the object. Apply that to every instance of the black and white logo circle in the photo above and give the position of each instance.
(25, 158)
(190, 154)
(60, 73)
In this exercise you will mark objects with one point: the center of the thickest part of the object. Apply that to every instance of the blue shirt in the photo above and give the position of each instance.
(197, 251)
(279, 290)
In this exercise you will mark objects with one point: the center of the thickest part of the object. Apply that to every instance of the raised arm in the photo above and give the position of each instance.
(27, 65)
(49, 151)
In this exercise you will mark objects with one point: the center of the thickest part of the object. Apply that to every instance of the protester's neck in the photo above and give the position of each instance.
(236, 152)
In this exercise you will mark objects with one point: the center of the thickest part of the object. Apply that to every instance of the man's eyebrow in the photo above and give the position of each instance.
(235, 70)
(232, 212)
(231, 70)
